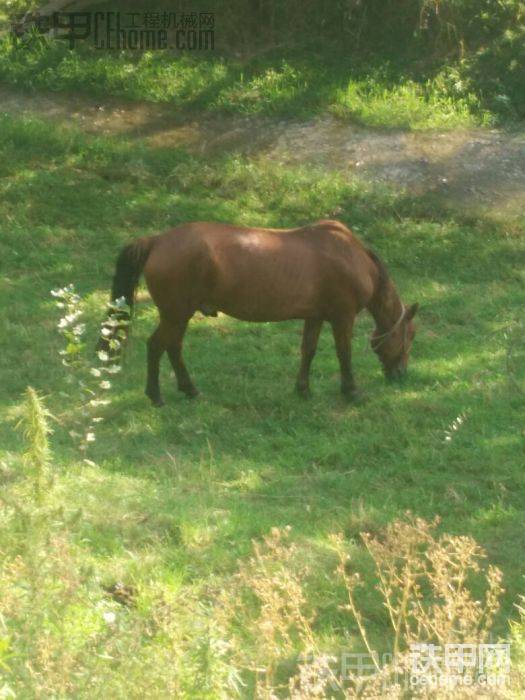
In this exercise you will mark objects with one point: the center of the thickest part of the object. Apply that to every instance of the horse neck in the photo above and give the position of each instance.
(386, 306)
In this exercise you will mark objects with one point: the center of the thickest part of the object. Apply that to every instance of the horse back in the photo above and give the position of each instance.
(259, 273)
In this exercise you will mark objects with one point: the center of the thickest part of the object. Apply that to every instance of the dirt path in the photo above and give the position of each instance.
(481, 169)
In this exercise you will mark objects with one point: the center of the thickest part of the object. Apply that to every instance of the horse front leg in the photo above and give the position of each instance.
(175, 334)
(342, 331)
(311, 331)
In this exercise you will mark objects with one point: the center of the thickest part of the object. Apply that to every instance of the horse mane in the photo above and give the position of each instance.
(382, 270)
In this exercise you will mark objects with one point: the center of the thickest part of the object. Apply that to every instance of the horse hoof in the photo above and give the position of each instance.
(191, 392)
(304, 392)
(156, 401)
(353, 396)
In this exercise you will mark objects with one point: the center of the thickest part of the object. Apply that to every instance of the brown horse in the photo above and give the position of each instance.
(320, 272)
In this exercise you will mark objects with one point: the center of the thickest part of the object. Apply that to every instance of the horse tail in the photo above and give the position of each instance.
(130, 263)
(128, 269)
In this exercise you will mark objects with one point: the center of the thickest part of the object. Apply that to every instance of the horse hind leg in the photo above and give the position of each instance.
(156, 348)
(175, 335)
(312, 329)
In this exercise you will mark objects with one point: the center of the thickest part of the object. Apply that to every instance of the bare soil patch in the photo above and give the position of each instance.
(472, 169)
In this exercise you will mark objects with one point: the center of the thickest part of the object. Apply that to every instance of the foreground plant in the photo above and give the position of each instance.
(426, 581)
(61, 634)
(89, 384)
(37, 579)
(272, 582)
(427, 585)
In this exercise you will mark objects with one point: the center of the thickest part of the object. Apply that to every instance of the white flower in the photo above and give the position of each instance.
(109, 617)
(90, 437)
(103, 355)
(79, 330)
(105, 385)
(95, 372)
(99, 402)
(62, 323)
(71, 318)
(105, 332)
(113, 369)
(120, 302)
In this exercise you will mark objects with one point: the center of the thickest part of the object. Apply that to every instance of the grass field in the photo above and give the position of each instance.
(171, 498)
(300, 83)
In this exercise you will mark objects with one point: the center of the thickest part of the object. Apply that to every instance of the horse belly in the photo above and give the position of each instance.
(269, 296)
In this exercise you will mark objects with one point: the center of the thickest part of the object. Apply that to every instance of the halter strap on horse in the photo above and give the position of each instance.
(384, 336)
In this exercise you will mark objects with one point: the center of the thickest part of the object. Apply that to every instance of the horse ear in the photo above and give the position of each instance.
(411, 312)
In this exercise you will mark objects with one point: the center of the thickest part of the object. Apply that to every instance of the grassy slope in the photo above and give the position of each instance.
(301, 82)
(176, 494)
(386, 64)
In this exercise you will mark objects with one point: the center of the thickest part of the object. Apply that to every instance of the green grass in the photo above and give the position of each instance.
(389, 64)
(370, 91)
(173, 497)
(408, 105)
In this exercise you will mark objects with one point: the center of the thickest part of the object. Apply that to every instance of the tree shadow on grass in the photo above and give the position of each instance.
(256, 456)
(251, 454)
